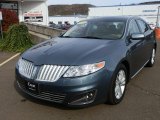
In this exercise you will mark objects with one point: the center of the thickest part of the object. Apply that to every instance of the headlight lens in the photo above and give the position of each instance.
(76, 71)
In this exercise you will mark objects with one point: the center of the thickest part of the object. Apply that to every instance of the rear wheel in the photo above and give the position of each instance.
(152, 59)
(118, 86)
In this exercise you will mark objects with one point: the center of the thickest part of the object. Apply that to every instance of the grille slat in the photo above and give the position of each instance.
(43, 70)
(26, 68)
(59, 72)
(56, 72)
(51, 73)
(39, 75)
(51, 93)
(55, 97)
(30, 69)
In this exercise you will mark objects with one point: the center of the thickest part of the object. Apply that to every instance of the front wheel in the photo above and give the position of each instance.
(152, 59)
(118, 85)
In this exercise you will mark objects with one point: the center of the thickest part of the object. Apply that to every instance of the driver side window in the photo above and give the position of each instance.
(143, 26)
(133, 28)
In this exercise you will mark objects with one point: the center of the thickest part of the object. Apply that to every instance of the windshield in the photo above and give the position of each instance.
(97, 30)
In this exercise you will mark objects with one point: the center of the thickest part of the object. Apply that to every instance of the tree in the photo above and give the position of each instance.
(9, 18)
(17, 39)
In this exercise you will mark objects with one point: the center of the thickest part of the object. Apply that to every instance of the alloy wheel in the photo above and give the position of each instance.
(120, 84)
(153, 56)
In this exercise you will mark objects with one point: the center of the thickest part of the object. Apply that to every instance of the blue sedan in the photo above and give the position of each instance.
(89, 64)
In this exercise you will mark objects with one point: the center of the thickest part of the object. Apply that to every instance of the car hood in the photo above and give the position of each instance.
(69, 51)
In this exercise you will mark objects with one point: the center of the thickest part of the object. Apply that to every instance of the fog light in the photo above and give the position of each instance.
(85, 98)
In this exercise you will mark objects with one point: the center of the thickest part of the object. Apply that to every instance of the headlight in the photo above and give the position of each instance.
(76, 71)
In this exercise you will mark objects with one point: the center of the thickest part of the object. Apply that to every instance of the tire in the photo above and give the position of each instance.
(114, 94)
(152, 58)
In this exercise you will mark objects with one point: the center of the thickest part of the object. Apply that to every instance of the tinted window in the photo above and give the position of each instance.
(133, 27)
(143, 26)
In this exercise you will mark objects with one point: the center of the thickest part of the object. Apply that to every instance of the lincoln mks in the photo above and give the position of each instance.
(91, 63)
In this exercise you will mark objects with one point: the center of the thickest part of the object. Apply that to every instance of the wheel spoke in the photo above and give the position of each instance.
(123, 82)
(120, 91)
(116, 90)
(122, 88)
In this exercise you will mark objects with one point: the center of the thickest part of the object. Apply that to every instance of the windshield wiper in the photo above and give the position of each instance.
(90, 37)
(66, 36)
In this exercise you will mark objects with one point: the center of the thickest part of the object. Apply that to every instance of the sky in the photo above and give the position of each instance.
(96, 2)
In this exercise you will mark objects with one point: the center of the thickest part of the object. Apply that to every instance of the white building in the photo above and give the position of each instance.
(72, 19)
(34, 11)
(147, 12)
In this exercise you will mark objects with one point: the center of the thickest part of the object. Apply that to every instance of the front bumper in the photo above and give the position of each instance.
(91, 89)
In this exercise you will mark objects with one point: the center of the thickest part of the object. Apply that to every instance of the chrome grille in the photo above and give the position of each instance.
(26, 68)
(48, 73)
(51, 73)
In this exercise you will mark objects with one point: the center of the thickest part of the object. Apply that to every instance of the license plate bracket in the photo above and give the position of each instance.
(32, 87)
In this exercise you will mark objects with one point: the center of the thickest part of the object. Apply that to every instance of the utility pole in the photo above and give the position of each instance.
(22, 1)
(158, 18)
(1, 18)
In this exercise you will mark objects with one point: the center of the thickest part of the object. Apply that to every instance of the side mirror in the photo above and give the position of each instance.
(137, 36)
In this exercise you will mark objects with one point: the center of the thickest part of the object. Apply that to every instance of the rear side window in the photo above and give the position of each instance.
(133, 27)
(143, 26)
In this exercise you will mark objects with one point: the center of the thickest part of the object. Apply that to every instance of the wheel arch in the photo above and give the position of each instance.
(155, 46)
(127, 65)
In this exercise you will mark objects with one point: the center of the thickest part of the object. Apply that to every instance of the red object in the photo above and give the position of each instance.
(157, 31)
(9, 18)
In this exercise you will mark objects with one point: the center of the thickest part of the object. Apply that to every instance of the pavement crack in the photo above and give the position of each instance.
(23, 100)
(151, 92)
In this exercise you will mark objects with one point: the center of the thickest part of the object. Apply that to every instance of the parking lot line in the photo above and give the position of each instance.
(11, 58)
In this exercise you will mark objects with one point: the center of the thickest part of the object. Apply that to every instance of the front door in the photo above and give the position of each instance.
(136, 49)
